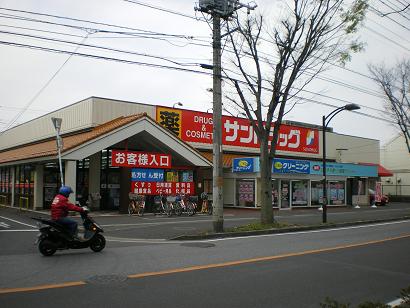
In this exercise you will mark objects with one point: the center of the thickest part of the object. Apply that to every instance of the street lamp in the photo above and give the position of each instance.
(57, 126)
(177, 104)
(325, 123)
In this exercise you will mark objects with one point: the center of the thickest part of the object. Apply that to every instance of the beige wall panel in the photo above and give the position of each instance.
(105, 110)
(358, 150)
(75, 117)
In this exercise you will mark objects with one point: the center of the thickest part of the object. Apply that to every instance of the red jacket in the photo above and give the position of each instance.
(61, 206)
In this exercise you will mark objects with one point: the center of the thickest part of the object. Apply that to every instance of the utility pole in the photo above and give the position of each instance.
(217, 172)
(218, 9)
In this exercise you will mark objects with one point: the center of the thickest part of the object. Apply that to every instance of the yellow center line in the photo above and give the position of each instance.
(43, 287)
(260, 259)
(208, 266)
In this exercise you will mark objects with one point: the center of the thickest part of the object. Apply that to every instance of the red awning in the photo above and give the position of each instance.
(380, 169)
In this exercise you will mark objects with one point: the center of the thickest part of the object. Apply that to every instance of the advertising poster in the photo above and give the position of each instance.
(164, 188)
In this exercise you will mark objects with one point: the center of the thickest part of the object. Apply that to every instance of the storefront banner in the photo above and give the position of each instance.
(121, 158)
(193, 126)
(290, 166)
(147, 175)
(247, 164)
(164, 188)
(343, 169)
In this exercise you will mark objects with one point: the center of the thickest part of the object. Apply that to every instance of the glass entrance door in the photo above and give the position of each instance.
(285, 194)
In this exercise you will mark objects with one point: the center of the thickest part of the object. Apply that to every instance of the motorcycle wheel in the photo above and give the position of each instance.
(47, 247)
(98, 243)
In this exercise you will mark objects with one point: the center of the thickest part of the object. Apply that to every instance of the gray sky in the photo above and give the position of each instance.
(26, 71)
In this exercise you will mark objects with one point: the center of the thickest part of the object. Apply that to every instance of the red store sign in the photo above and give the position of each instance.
(193, 126)
(130, 159)
(164, 188)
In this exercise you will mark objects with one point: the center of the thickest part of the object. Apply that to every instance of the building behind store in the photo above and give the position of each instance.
(115, 147)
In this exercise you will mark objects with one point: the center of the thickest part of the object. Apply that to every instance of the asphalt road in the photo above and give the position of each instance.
(285, 270)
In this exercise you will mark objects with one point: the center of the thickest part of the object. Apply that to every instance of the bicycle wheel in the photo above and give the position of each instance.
(130, 208)
(178, 209)
(169, 209)
(140, 208)
(190, 209)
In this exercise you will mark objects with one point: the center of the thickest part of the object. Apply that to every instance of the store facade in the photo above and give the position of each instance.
(107, 142)
(299, 183)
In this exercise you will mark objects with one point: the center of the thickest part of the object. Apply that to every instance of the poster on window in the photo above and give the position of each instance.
(164, 188)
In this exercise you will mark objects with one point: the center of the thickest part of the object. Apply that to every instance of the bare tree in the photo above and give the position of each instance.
(312, 34)
(395, 85)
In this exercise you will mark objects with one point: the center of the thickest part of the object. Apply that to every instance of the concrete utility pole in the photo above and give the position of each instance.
(217, 173)
(218, 9)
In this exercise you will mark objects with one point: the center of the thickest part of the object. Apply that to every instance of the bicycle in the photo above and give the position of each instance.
(184, 206)
(206, 204)
(173, 206)
(161, 205)
(136, 205)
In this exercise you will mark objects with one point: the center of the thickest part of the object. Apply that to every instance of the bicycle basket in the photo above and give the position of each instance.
(171, 198)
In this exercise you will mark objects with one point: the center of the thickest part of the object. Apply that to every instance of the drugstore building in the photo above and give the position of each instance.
(111, 148)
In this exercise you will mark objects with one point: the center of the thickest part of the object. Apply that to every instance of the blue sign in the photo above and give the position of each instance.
(147, 175)
(290, 166)
(247, 164)
(343, 169)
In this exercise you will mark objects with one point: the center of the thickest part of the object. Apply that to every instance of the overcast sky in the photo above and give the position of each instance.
(26, 78)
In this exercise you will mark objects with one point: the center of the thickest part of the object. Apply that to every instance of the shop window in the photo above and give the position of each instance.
(317, 193)
(337, 193)
(300, 193)
(245, 193)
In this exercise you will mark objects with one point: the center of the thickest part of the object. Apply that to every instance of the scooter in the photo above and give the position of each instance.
(54, 236)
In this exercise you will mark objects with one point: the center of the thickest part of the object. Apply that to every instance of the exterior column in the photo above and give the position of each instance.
(94, 176)
(13, 183)
(70, 178)
(39, 187)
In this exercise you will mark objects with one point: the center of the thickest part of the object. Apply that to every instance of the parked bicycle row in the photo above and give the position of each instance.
(170, 205)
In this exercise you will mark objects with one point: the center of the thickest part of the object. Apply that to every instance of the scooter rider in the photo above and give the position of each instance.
(60, 208)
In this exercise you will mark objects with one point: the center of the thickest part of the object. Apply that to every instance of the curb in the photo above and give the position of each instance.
(283, 230)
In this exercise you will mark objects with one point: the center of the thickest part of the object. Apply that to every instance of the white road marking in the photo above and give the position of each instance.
(4, 225)
(23, 230)
(395, 303)
(21, 223)
(166, 241)
(170, 222)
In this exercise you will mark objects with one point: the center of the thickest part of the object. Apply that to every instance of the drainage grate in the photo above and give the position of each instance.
(106, 279)
(199, 245)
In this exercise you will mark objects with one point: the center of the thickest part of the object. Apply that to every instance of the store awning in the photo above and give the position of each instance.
(137, 129)
(382, 171)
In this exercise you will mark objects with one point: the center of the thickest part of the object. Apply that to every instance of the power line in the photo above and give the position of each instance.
(380, 14)
(41, 89)
(134, 34)
(99, 47)
(386, 38)
(158, 66)
(162, 9)
(86, 21)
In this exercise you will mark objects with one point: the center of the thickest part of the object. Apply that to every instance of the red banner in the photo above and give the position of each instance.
(193, 126)
(130, 159)
(164, 188)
